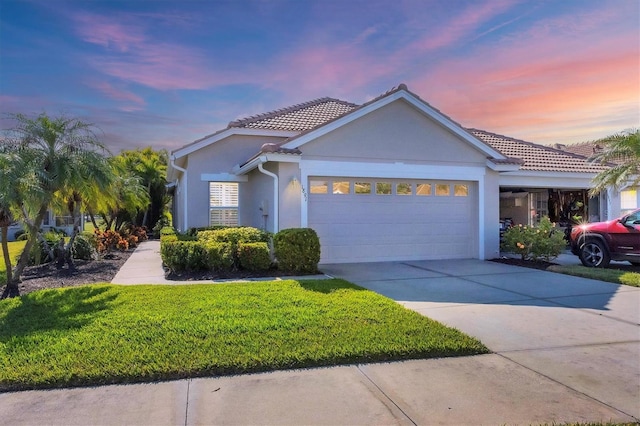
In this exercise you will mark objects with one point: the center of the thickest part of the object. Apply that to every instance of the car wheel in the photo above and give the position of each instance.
(593, 254)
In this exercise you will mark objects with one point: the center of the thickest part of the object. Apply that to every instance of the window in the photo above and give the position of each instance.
(383, 188)
(403, 189)
(341, 187)
(460, 190)
(319, 186)
(363, 188)
(423, 189)
(443, 190)
(223, 203)
(628, 200)
(64, 221)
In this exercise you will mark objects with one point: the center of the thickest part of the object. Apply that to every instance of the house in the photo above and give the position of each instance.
(51, 221)
(629, 196)
(392, 179)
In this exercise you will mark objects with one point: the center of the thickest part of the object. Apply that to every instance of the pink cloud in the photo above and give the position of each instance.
(105, 32)
(131, 55)
(132, 101)
(462, 25)
(544, 83)
(338, 70)
(162, 67)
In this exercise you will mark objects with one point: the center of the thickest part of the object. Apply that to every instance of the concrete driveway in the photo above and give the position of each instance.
(580, 333)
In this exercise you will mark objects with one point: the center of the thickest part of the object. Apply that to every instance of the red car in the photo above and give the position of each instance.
(599, 243)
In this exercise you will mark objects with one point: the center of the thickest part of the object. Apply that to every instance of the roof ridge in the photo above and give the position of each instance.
(286, 110)
(545, 147)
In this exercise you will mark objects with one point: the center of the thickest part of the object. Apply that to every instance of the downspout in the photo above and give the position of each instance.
(275, 195)
(184, 197)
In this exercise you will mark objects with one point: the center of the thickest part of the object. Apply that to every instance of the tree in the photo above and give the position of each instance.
(129, 196)
(151, 167)
(67, 157)
(17, 178)
(622, 151)
(8, 196)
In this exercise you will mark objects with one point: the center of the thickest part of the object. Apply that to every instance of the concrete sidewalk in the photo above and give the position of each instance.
(565, 350)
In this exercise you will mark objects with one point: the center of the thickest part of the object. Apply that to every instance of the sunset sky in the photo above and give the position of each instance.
(164, 73)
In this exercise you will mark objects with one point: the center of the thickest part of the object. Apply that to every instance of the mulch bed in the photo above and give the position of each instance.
(87, 272)
(534, 264)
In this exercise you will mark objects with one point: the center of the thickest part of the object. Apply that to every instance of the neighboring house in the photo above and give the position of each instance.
(392, 179)
(51, 221)
(629, 196)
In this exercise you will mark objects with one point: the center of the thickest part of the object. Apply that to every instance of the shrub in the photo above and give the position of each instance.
(196, 256)
(297, 250)
(83, 247)
(544, 242)
(218, 256)
(195, 231)
(106, 241)
(234, 236)
(254, 256)
(39, 253)
(179, 255)
(164, 222)
(167, 230)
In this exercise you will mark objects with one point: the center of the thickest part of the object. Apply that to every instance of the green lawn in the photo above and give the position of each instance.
(112, 334)
(610, 275)
(15, 248)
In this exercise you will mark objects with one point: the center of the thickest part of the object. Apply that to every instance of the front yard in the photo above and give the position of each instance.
(102, 334)
(15, 248)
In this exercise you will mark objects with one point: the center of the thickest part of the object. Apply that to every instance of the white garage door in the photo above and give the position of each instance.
(360, 220)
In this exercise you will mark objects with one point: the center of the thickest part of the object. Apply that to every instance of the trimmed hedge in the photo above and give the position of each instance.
(196, 256)
(297, 250)
(254, 256)
(242, 234)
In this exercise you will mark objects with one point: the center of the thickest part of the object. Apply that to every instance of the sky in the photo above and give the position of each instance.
(165, 73)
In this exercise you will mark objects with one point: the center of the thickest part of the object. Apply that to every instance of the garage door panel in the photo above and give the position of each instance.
(376, 227)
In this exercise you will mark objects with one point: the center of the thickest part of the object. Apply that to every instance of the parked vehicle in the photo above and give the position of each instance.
(599, 243)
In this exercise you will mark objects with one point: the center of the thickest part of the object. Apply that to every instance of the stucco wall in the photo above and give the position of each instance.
(255, 194)
(219, 157)
(290, 195)
(491, 215)
(399, 133)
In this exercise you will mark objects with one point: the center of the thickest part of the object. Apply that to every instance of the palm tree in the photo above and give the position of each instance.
(17, 177)
(7, 198)
(67, 156)
(129, 195)
(622, 151)
(151, 167)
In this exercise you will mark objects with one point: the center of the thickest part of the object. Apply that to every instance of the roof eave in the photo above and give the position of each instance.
(241, 169)
(225, 133)
(503, 167)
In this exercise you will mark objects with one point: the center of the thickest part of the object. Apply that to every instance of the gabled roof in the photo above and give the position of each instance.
(306, 121)
(399, 92)
(299, 117)
(538, 157)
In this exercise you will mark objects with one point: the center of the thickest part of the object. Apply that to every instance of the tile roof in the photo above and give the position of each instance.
(538, 157)
(307, 116)
(586, 149)
(299, 117)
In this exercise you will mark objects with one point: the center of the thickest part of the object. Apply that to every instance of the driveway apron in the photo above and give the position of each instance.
(580, 333)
